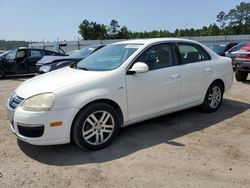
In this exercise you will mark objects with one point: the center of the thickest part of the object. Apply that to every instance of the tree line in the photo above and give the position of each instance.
(234, 22)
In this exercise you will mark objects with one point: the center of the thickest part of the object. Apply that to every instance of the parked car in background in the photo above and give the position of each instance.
(242, 64)
(240, 55)
(235, 51)
(245, 49)
(220, 49)
(22, 61)
(242, 69)
(50, 63)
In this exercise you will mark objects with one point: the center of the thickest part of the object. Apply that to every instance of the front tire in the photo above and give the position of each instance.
(96, 126)
(213, 98)
(240, 76)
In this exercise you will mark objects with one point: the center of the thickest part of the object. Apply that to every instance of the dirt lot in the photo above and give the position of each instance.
(184, 149)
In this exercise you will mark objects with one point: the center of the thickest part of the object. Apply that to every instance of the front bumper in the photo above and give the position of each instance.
(24, 122)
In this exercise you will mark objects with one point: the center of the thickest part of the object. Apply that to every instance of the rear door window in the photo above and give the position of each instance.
(35, 54)
(191, 53)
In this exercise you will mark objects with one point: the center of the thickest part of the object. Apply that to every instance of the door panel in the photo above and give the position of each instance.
(193, 82)
(194, 70)
(156, 90)
(21, 61)
(152, 92)
(9, 62)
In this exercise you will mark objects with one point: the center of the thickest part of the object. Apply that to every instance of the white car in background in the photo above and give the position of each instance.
(120, 84)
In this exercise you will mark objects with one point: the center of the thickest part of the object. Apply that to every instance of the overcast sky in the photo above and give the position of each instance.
(51, 19)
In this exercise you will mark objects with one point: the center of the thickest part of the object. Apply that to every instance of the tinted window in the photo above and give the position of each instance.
(157, 57)
(191, 53)
(35, 53)
(21, 54)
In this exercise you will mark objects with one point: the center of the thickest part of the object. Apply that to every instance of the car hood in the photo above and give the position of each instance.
(52, 81)
(50, 59)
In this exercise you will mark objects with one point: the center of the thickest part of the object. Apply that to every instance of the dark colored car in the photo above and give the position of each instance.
(22, 61)
(50, 63)
(242, 68)
(220, 49)
(240, 55)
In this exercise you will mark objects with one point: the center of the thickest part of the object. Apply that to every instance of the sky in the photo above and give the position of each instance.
(49, 20)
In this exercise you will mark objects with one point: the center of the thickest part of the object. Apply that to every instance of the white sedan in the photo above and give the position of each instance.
(121, 84)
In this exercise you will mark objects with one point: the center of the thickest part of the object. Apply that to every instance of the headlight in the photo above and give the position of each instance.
(41, 102)
(45, 68)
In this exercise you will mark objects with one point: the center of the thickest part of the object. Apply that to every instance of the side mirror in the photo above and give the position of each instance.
(138, 67)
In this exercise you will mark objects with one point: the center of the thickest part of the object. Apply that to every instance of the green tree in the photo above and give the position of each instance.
(92, 30)
(213, 30)
(123, 33)
(240, 15)
(221, 18)
(114, 28)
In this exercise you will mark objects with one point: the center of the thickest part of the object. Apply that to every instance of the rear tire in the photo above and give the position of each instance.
(213, 98)
(240, 76)
(96, 126)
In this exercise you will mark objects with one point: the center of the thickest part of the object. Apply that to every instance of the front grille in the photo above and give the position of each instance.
(15, 101)
(31, 132)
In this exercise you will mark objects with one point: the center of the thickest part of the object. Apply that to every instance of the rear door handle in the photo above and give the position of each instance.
(175, 76)
(208, 70)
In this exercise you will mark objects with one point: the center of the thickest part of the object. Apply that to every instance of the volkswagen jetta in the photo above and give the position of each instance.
(120, 84)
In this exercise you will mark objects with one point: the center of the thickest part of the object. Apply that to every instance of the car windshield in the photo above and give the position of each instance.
(108, 58)
(82, 53)
(11, 55)
(217, 48)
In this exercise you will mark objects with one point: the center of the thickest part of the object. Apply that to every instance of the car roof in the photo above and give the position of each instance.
(155, 40)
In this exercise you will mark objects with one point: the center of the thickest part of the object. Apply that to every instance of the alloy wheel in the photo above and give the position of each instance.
(214, 97)
(98, 127)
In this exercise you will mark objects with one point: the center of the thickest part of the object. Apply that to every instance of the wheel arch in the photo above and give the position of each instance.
(220, 81)
(217, 80)
(107, 101)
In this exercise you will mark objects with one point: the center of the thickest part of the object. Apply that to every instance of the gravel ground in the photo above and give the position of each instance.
(184, 149)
